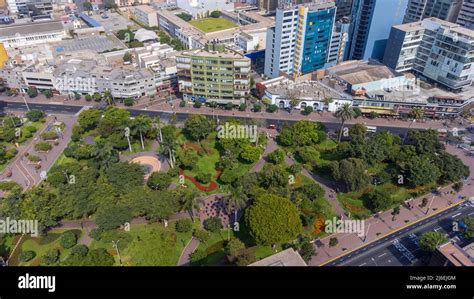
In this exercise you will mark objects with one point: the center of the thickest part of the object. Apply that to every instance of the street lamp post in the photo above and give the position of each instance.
(24, 99)
(432, 199)
(406, 133)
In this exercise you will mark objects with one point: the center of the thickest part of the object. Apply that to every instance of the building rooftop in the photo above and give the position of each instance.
(32, 28)
(421, 25)
(208, 52)
(304, 89)
(288, 258)
(145, 8)
(358, 72)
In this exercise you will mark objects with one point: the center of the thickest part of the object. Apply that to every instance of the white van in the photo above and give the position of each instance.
(372, 129)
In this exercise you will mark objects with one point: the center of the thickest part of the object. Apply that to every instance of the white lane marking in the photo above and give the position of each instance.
(362, 264)
(436, 229)
(455, 215)
(382, 254)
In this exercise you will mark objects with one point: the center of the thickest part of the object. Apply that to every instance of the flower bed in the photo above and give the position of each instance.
(212, 185)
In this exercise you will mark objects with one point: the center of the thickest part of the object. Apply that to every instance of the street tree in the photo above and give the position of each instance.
(344, 113)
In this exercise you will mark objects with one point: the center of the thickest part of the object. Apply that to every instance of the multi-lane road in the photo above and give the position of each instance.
(400, 248)
(165, 115)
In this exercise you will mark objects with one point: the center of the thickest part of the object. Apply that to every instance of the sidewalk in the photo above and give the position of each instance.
(383, 223)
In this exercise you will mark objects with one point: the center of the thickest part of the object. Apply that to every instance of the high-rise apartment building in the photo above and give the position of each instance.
(27, 8)
(437, 50)
(344, 8)
(268, 6)
(418, 10)
(300, 40)
(466, 14)
(214, 74)
(371, 24)
(339, 41)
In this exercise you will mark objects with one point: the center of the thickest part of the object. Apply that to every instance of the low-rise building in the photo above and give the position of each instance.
(376, 88)
(282, 91)
(213, 74)
(285, 258)
(452, 254)
(13, 36)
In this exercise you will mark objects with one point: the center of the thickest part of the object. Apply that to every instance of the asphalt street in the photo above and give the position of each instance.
(401, 248)
(165, 116)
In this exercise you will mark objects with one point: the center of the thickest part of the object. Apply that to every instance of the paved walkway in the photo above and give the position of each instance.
(25, 173)
(185, 258)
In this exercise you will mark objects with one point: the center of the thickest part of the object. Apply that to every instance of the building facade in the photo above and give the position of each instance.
(437, 50)
(370, 27)
(313, 38)
(300, 40)
(339, 41)
(344, 9)
(466, 15)
(146, 15)
(213, 74)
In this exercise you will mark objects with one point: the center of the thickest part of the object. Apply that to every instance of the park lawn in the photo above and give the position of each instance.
(377, 168)
(137, 147)
(146, 244)
(214, 247)
(43, 244)
(62, 159)
(212, 24)
(353, 201)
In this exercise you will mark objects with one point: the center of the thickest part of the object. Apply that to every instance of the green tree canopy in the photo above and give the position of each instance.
(273, 219)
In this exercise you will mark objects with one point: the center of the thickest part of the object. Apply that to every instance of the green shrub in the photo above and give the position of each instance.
(184, 225)
(213, 224)
(197, 104)
(33, 158)
(203, 177)
(198, 256)
(50, 257)
(68, 240)
(50, 135)
(333, 242)
(43, 146)
(128, 102)
(34, 115)
(201, 235)
(182, 104)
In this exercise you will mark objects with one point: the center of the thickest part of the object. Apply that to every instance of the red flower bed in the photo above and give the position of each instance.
(212, 185)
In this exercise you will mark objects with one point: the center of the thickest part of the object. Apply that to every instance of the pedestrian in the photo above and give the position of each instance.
(82, 225)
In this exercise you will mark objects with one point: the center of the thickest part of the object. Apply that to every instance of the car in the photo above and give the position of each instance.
(271, 126)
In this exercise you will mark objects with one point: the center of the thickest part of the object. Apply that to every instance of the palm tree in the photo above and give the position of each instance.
(157, 123)
(142, 124)
(106, 154)
(168, 147)
(109, 99)
(344, 113)
(190, 202)
(417, 113)
(236, 200)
